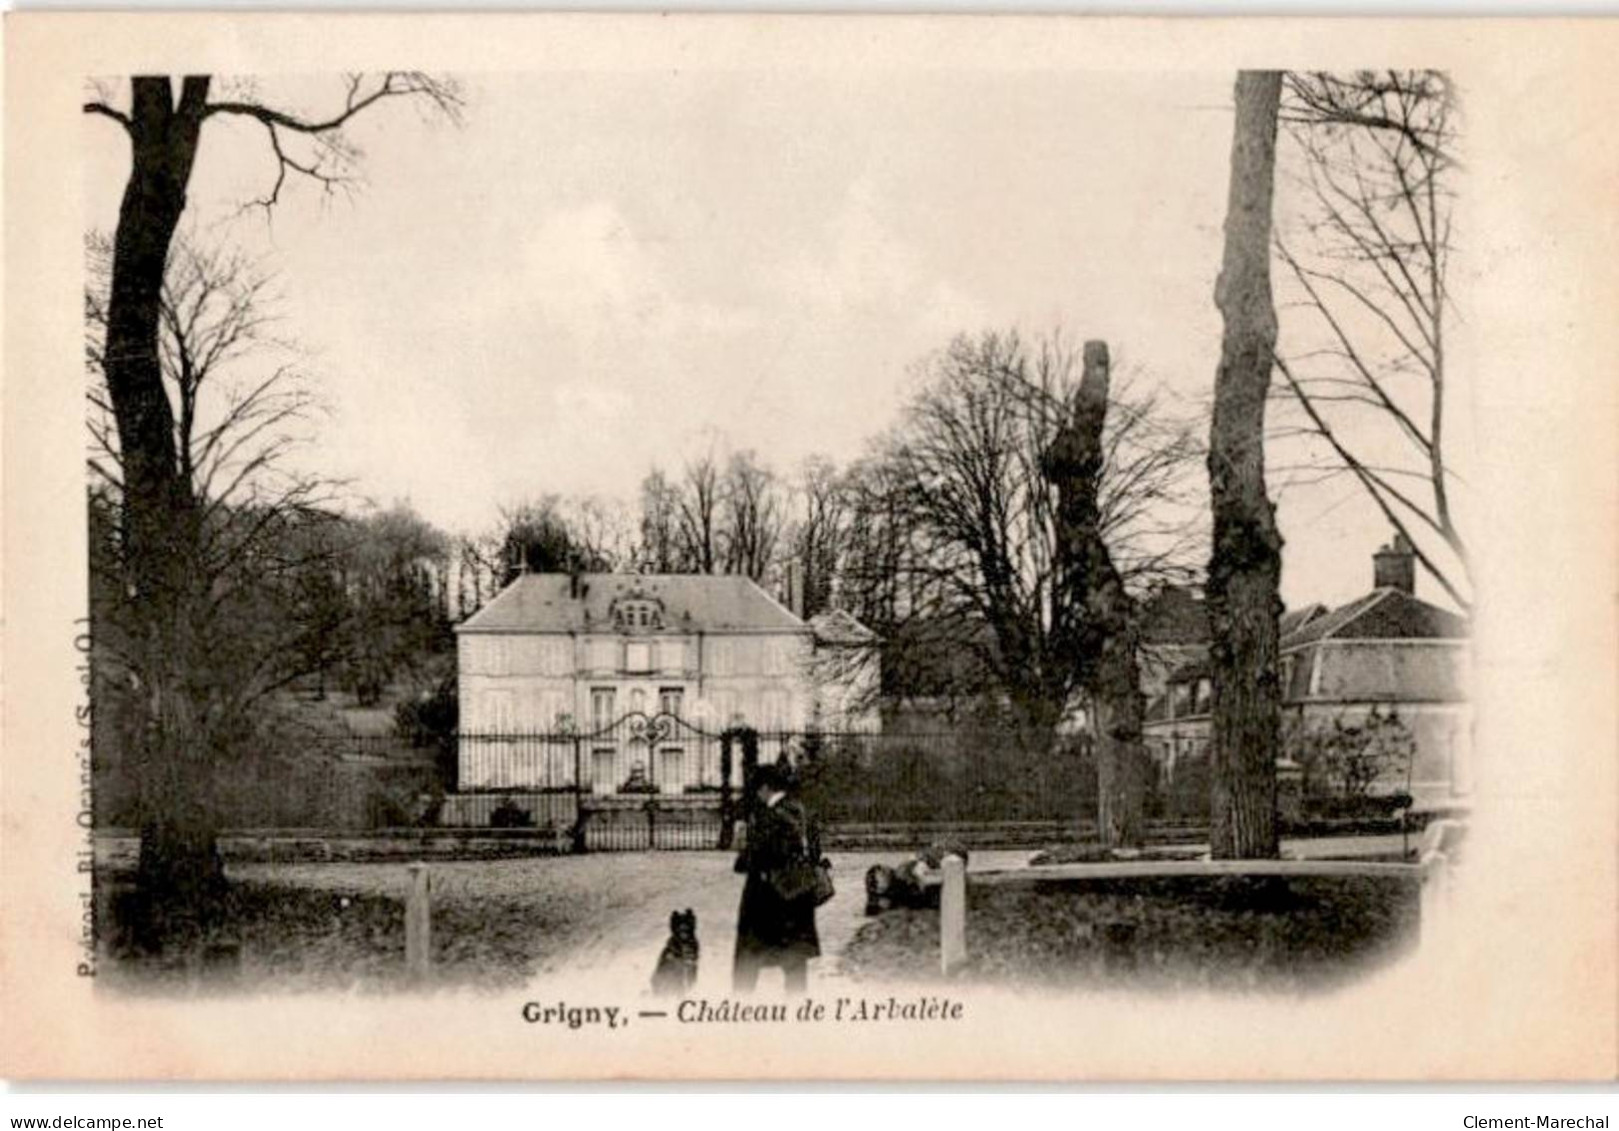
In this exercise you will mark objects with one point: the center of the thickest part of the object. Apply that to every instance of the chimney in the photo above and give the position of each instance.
(575, 589)
(1395, 566)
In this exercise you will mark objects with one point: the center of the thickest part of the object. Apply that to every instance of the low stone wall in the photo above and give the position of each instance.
(538, 810)
(629, 821)
(119, 851)
(987, 834)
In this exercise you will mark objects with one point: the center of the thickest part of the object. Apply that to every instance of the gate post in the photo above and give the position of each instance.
(953, 915)
(727, 809)
(577, 833)
(418, 924)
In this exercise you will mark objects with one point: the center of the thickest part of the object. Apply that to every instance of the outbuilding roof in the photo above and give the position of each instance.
(839, 627)
(1383, 614)
(559, 602)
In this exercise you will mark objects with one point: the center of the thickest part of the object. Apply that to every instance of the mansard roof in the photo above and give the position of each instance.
(1382, 614)
(559, 602)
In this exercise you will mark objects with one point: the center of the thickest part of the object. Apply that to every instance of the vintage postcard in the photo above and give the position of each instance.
(763, 547)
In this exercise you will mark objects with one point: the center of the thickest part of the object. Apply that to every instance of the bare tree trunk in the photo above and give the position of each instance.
(1246, 564)
(1121, 756)
(163, 144)
(1099, 632)
(179, 870)
(186, 711)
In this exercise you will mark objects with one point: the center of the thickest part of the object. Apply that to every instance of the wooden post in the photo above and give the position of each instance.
(953, 915)
(1433, 897)
(418, 924)
(1442, 842)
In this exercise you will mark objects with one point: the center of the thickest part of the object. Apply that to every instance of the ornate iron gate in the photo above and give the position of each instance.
(644, 781)
(650, 781)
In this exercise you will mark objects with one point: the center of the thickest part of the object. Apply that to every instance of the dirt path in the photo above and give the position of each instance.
(601, 918)
(623, 941)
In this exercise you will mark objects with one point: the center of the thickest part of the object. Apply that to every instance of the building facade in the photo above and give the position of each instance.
(1385, 656)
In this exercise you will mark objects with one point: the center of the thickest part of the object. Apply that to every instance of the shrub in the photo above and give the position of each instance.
(1347, 759)
(508, 816)
(430, 720)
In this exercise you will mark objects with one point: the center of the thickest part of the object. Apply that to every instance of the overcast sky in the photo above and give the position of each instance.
(596, 273)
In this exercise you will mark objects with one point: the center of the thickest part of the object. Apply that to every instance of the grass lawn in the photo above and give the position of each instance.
(304, 938)
(1172, 934)
(495, 923)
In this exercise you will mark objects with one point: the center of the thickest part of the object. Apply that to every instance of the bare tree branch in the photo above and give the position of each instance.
(1378, 150)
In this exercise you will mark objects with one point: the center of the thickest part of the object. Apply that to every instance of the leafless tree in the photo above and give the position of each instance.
(753, 515)
(1096, 619)
(241, 399)
(264, 596)
(478, 566)
(819, 538)
(601, 531)
(241, 406)
(965, 521)
(161, 514)
(660, 547)
(699, 518)
(872, 578)
(1368, 268)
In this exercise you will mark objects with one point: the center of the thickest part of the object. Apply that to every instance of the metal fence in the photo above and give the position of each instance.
(637, 754)
(659, 781)
(641, 782)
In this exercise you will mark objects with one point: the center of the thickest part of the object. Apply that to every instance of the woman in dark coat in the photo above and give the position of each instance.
(772, 930)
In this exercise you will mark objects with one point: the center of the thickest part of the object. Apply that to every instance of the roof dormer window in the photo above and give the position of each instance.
(637, 615)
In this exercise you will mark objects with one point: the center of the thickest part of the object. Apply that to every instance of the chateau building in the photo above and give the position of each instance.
(644, 670)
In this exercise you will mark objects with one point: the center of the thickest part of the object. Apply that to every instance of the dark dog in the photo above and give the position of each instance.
(677, 965)
(914, 883)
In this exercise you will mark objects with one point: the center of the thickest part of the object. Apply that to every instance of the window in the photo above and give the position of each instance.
(775, 710)
(557, 658)
(670, 700)
(601, 708)
(498, 657)
(719, 657)
(553, 709)
(725, 708)
(671, 656)
(603, 655)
